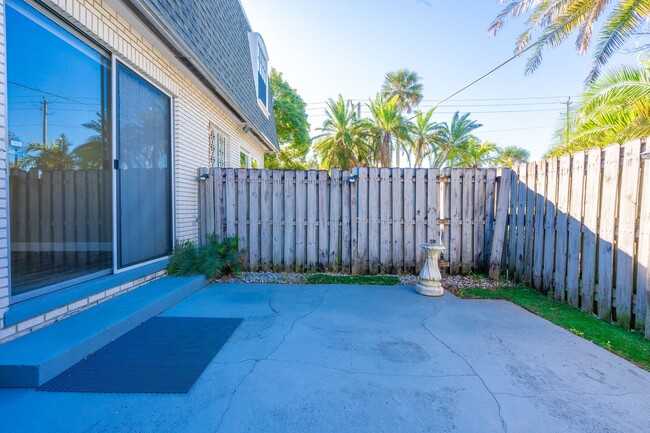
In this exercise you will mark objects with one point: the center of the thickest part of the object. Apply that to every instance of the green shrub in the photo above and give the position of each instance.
(214, 259)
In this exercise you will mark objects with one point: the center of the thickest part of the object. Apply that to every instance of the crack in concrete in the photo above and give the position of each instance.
(256, 361)
(368, 373)
(503, 422)
(604, 394)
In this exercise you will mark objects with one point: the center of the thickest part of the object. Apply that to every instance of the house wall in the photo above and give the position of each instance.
(195, 109)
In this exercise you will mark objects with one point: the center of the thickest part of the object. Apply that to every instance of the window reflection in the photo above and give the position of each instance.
(59, 153)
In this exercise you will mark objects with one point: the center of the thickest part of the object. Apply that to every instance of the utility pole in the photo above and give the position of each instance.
(45, 114)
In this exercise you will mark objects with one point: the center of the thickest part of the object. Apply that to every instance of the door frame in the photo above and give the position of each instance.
(116, 61)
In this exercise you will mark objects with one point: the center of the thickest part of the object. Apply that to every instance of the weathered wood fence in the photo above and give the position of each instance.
(62, 219)
(579, 227)
(369, 221)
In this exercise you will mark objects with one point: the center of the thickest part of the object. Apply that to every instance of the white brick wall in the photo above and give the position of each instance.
(25, 327)
(194, 110)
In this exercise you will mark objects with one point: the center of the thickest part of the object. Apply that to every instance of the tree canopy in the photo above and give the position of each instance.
(292, 125)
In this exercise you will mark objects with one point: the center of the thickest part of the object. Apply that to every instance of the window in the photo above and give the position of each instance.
(262, 76)
(254, 163)
(260, 64)
(217, 149)
(60, 184)
(243, 160)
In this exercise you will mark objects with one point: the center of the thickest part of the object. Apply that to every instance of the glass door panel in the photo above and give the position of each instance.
(143, 170)
(59, 155)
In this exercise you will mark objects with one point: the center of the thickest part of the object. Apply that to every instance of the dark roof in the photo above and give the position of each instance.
(211, 38)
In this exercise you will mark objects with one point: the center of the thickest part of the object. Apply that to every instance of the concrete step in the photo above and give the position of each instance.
(32, 360)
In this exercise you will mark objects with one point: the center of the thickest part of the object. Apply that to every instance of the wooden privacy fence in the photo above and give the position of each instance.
(369, 221)
(579, 226)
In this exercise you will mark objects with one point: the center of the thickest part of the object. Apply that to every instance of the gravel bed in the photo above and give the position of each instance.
(453, 283)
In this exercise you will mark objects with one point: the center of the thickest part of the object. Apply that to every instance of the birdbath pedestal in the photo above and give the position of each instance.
(429, 282)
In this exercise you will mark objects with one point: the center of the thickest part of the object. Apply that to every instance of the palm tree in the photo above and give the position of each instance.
(57, 156)
(556, 20)
(614, 109)
(510, 156)
(389, 124)
(472, 154)
(454, 135)
(404, 85)
(341, 143)
(423, 135)
(92, 154)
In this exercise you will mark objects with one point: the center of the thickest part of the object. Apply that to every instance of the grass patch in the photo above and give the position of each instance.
(369, 280)
(627, 344)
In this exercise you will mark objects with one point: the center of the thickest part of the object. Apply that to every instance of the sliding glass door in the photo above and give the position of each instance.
(144, 208)
(90, 179)
(59, 154)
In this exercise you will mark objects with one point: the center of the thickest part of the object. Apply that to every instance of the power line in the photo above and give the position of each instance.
(502, 64)
(51, 94)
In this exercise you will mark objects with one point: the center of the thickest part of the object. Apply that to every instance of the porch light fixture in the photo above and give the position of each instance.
(204, 177)
(646, 154)
(353, 178)
(246, 129)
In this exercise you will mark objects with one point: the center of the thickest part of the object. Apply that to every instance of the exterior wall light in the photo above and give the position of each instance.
(204, 177)
(246, 129)
(353, 178)
(646, 154)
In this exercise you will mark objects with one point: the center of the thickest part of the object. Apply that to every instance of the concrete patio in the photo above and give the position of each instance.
(367, 359)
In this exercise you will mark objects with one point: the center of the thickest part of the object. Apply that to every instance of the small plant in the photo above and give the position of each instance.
(214, 259)
(370, 280)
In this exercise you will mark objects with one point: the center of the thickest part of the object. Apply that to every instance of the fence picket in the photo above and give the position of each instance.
(373, 220)
(301, 220)
(626, 232)
(409, 223)
(242, 211)
(521, 229)
(575, 229)
(606, 231)
(433, 190)
(334, 219)
(590, 230)
(398, 244)
(312, 214)
(512, 223)
(386, 230)
(323, 221)
(538, 252)
(289, 220)
(642, 311)
(254, 220)
(455, 217)
(346, 236)
(490, 203)
(549, 225)
(564, 184)
(530, 222)
(478, 210)
(420, 217)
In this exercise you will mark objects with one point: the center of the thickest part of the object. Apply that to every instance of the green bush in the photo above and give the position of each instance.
(214, 259)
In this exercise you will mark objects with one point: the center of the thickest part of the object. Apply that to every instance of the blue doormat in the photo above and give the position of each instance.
(162, 355)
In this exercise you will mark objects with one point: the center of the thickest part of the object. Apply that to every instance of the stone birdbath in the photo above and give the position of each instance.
(429, 280)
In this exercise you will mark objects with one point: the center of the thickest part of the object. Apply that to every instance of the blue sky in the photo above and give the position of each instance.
(324, 48)
(73, 100)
